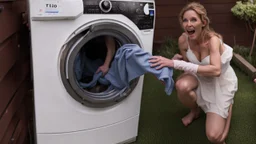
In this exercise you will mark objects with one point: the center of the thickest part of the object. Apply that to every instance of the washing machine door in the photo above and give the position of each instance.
(68, 60)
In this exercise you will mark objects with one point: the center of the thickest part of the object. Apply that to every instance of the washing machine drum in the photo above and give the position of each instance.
(98, 95)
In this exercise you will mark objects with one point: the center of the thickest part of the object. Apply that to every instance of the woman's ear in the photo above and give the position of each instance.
(204, 23)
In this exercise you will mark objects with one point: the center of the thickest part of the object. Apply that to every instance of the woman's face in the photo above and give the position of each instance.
(192, 24)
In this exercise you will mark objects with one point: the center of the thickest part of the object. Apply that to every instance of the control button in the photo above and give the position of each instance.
(151, 5)
(122, 7)
(105, 5)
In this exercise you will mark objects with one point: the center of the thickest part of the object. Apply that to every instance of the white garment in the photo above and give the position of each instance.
(215, 94)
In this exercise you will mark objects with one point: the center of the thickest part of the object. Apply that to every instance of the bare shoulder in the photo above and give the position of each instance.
(183, 42)
(214, 41)
(215, 44)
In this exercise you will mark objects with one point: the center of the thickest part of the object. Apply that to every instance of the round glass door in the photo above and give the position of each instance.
(82, 54)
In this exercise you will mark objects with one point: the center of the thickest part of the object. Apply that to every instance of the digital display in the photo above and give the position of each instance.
(151, 12)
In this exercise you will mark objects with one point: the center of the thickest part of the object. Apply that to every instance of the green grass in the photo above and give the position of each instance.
(160, 119)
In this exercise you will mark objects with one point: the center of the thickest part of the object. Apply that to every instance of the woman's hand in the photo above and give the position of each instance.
(177, 57)
(160, 62)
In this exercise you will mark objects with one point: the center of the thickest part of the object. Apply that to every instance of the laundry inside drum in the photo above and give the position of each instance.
(90, 58)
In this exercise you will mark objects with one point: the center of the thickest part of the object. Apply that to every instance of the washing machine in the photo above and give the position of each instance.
(65, 113)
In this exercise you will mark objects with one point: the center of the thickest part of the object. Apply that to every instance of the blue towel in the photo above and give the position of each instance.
(129, 63)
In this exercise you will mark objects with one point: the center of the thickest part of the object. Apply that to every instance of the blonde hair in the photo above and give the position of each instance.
(207, 31)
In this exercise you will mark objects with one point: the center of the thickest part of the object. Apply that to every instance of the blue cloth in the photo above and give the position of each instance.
(129, 63)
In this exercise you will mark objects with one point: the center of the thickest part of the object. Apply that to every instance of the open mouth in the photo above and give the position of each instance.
(190, 32)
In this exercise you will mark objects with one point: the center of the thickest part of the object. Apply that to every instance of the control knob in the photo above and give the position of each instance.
(122, 7)
(105, 5)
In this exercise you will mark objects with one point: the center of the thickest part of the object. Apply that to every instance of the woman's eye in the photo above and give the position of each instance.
(185, 20)
(193, 20)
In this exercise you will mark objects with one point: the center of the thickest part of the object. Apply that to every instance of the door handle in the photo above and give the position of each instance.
(1, 8)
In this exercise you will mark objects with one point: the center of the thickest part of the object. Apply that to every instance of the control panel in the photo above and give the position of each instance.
(141, 13)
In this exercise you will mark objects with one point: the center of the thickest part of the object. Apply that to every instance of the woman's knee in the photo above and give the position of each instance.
(183, 86)
(214, 136)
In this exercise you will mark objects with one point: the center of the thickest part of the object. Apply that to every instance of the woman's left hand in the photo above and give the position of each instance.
(160, 62)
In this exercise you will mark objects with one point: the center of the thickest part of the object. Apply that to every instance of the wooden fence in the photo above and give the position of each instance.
(233, 30)
(15, 100)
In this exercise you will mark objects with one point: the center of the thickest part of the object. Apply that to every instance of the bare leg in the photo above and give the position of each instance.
(185, 86)
(227, 125)
(217, 128)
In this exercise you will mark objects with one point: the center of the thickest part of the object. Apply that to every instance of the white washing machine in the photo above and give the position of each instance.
(64, 112)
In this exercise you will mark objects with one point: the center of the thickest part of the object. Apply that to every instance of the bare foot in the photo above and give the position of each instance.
(194, 114)
(254, 80)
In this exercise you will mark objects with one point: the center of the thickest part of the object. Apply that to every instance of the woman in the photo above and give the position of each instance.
(209, 82)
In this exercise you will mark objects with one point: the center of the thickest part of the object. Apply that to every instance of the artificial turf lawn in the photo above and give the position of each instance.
(160, 118)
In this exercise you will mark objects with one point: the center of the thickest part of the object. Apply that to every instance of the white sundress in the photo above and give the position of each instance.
(215, 94)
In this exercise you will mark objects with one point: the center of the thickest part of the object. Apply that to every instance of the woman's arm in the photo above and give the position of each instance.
(214, 68)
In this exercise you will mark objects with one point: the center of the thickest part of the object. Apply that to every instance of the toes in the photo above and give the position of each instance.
(186, 121)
